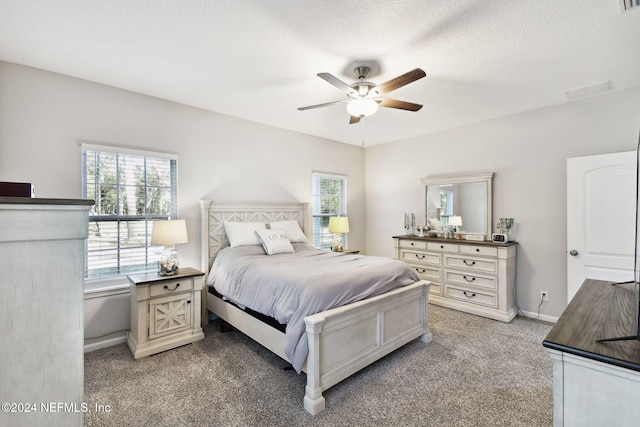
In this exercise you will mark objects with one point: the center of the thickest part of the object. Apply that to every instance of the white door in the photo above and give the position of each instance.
(601, 218)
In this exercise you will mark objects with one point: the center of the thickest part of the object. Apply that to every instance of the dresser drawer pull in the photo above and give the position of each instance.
(441, 246)
(420, 256)
(469, 263)
(411, 243)
(469, 295)
(421, 270)
(171, 290)
(469, 279)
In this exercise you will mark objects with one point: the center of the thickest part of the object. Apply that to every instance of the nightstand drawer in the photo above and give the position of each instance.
(169, 287)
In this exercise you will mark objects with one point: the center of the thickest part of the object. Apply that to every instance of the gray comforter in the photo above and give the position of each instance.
(289, 287)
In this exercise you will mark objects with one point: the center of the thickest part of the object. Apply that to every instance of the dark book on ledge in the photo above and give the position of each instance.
(16, 189)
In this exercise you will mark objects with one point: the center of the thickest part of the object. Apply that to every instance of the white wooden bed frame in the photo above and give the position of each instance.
(342, 340)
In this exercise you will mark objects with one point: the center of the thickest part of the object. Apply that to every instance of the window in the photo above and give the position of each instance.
(130, 189)
(446, 206)
(329, 196)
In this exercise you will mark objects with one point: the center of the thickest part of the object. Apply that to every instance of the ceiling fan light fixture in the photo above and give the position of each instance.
(362, 107)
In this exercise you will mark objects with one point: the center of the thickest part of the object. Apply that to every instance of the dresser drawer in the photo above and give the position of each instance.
(486, 282)
(421, 257)
(485, 265)
(442, 247)
(435, 288)
(414, 244)
(426, 273)
(486, 299)
(171, 287)
(479, 250)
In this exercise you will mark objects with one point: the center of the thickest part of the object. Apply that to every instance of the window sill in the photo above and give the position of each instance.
(106, 288)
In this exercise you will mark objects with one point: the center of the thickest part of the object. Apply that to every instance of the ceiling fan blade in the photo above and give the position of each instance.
(326, 104)
(401, 105)
(331, 79)
(402, 80)
(354, 119)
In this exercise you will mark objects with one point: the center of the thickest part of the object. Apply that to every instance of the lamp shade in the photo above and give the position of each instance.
(169, 232)
(338, 224)
(455, 220)
(361, 107)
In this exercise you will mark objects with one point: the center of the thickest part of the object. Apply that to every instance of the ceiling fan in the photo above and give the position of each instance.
(363, 98)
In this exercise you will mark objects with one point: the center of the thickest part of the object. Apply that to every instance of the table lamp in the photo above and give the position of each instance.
(337, 226)
(455, 222)
(169, 233)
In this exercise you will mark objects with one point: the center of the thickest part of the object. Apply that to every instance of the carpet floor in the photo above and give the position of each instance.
(475, 372)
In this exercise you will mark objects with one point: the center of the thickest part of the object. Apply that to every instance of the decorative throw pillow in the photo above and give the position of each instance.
(243, 233)
(292, 228)
(275, 241)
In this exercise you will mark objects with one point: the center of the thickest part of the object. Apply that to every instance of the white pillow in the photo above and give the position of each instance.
(243, 233)
(275, 241)
(292, 228)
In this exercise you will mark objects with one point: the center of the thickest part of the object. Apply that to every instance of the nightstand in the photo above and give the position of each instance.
(165, 311)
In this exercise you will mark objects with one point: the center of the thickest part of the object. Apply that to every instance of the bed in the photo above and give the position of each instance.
(340, 340)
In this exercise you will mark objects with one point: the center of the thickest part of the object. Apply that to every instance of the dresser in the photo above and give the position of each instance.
(596, 383)
(42, 245)
(476, 277)
(165, 311)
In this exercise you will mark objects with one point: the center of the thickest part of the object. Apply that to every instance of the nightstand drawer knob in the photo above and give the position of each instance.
(171, 290)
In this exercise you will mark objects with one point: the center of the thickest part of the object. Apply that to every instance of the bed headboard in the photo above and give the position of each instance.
(213, 214)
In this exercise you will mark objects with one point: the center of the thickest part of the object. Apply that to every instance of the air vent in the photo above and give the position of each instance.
(628, 5)
(581, 92)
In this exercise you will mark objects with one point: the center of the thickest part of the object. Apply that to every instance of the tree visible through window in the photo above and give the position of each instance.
(130, 190)
(329, 195)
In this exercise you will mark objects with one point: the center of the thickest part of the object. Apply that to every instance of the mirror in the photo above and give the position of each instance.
(465, 196)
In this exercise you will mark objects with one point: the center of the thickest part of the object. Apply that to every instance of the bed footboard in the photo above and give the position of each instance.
(346, 339)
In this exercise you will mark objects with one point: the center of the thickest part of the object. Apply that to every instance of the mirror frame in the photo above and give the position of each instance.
(487, 178)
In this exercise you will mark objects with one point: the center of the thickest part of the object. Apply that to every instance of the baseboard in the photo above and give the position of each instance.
(543, 317)
(109, 341)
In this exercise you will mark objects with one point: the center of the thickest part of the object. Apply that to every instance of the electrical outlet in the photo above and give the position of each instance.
(544, 295)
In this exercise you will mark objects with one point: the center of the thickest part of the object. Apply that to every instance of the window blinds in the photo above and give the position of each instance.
(329, 195)
(130, 189)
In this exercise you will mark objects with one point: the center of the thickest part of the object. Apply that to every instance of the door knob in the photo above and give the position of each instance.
(573, 252)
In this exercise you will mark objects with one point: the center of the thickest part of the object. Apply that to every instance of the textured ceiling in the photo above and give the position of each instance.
(258, 59)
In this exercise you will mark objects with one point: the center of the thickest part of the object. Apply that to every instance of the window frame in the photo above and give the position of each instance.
(151, 252)
(321, 238)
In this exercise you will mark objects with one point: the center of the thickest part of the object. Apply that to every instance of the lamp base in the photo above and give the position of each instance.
(336, 245)
(168, 262)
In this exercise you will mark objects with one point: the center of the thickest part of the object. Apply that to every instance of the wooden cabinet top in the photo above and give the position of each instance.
(459, 241)
(43, 201)
(145, 278)
(599, 310)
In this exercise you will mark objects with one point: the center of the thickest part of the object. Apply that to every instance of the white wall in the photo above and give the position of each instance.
(528, 154)
(44, 116)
